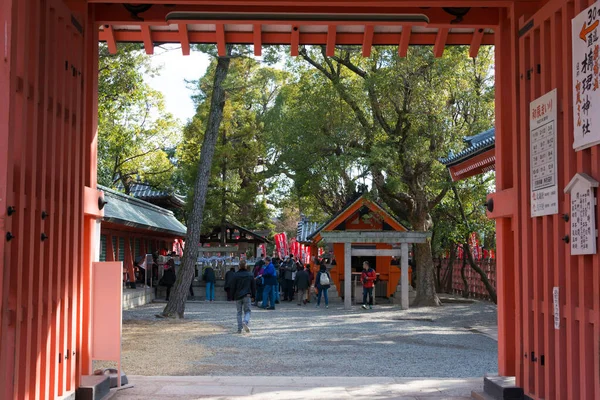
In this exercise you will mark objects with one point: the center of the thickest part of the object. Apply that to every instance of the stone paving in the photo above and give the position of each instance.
(306, 352)
(295, 388)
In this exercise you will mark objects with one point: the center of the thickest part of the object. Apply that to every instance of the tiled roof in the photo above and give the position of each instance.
(127, 210)
(475, 145)
(305, 229)
(146, 192)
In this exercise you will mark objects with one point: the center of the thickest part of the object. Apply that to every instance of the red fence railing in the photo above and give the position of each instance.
(475, 286)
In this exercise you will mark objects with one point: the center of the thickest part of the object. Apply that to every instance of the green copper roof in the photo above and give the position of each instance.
(129, 211)
(476, 144)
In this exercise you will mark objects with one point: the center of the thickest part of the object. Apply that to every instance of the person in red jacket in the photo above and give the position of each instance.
(368, 277)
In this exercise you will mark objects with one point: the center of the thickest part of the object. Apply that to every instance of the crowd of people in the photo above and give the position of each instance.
(273, 278)
(280, 280)
(271, 282)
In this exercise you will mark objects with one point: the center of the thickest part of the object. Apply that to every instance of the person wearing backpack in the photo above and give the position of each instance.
(323, 283)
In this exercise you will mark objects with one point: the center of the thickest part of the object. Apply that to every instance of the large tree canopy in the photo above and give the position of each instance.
(237, 182)
(383, 120)
(135, 133)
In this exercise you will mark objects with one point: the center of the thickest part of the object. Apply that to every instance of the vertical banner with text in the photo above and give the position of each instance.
(586, 78)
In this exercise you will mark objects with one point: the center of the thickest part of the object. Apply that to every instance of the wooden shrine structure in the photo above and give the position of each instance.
(365, 229)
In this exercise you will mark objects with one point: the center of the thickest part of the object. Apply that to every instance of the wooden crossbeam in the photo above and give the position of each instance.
(476, 42)
(257, 36)
(375, 237)
(440, 42)
(404, 40)
(278, 38)
(368, 40)
(147, 38)
(110, 39)
(331, 34)
(185, 39)
(221, 48)
(294, 41)
(377, 253)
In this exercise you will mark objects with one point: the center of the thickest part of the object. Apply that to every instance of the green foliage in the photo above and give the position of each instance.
(237, 180)
(450, 228)
(345, 121)
(135, 133)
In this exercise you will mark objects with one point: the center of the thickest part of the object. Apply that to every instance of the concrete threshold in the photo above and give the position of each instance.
(296, 388)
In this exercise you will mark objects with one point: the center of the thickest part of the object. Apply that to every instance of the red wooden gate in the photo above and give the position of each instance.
(45, 165)
(548, 363)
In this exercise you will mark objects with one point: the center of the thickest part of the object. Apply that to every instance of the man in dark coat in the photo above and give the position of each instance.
(168, 278)
(243, 289)
(290, 271)
(210, 279)
(228, 279)
(302, 282)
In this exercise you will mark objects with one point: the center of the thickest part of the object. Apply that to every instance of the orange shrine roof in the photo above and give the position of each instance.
(351, 218)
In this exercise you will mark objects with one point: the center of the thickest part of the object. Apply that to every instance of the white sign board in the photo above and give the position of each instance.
(583, 214)
(586, 78)
(556, 304)
(542, 146)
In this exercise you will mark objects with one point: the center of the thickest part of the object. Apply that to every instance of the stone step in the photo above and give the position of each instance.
(502, 388)
(93, 387)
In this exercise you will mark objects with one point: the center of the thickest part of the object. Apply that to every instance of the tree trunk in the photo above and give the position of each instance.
(464, 278)
(490, 289)
(176, 306)
(426, 295)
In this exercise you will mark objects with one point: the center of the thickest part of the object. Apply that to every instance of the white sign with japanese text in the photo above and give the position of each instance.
(556, 304)
(586, 78)
(542, 146)
(583, 214)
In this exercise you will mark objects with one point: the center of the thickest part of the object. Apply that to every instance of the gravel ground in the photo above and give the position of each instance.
(309, 341)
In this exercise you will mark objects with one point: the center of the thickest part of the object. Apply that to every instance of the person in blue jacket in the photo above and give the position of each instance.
(270, 280)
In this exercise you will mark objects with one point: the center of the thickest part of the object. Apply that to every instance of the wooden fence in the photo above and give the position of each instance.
(452, 281)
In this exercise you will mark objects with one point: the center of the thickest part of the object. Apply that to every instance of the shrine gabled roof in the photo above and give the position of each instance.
(291, 23)
(350, 209)
(127, 210)
(146, 192)
(476, 144)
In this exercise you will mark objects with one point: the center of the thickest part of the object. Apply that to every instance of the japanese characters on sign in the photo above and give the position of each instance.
(542, 142)
(556, 305)
(583, 214)
(586, 78)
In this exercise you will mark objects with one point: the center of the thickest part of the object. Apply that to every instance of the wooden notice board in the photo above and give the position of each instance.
(107, 312)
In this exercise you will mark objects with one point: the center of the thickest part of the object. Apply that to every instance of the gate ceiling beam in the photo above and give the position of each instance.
(404, 41)
(110, 39)
(476, 43)
(220, 33)
(184, 39)
(342, 38)
(440, 42)
(294, 41)
(478, 17)
(316, 4)
(257, 39)
(147, 39)
(331, 38)
(367, 40)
